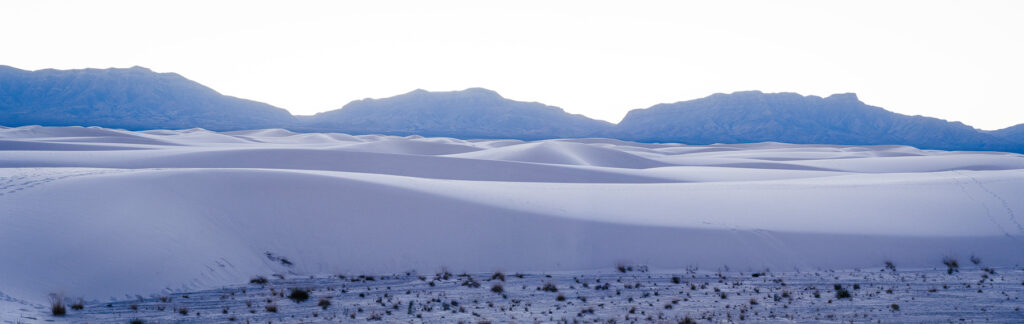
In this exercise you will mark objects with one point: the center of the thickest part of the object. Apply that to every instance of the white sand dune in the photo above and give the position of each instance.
(556, 152)
(124, 219)
(413, 147)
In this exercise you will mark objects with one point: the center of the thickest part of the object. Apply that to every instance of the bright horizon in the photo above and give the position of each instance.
(958, 61)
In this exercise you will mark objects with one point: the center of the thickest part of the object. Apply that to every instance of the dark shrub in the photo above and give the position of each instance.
(843, 293)
(324, 303)
(299, 295)
(261, 280)
(549, 287)
(497, 288)
(498, 275)
(471, 283)
(895, 307)
(951, 265)
(57, 305)
(78, 304)
(271, 308)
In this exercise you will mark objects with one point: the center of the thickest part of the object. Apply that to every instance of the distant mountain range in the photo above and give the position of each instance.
(137, 98)
(752, 116)
(470, 113)
(134, 98)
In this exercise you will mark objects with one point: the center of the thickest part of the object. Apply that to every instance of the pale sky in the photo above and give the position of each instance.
(955, 60)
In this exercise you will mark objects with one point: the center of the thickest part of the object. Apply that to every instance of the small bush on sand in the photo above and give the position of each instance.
(842, 293)
(951, 265)
(550, 287)
(57, 305)
(324, 303)
(497, 288)
(79, 304)
(498, 275)
(261, 280)
(299, 295)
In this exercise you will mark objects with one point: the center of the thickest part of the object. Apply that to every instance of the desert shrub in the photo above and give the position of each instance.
(324, 303)
(57, 305)
(136, 321)
(560, 297)
(549, 287)
(890, 266)
(951, 265)
(498, 275)
(753, 301)
(298, 295)
(79, 304)
(688, 320)
(843, 293)
(272, 308)
(261, 280)
(470, 282)
(497, 288)
(895, 307)
(443, 275)
(975, 259)
(183, 311)
(676, 280)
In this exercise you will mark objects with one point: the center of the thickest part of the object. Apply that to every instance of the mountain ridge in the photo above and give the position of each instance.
(138, 98)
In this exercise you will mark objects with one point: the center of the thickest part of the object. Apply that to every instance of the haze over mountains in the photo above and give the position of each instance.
(137, 99)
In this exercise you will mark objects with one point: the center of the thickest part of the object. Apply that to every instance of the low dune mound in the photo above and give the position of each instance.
(568, 153)
(413, 147)
(270, 132)
(73, 134)
(66, 131)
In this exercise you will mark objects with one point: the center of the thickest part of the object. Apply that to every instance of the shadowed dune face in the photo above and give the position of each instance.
(106, 213)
